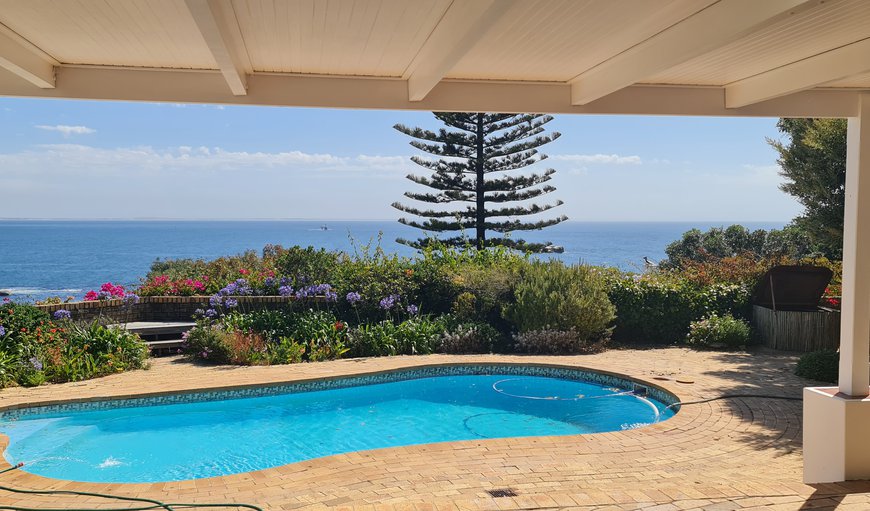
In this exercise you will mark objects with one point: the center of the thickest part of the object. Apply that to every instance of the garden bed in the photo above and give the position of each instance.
(159, 308)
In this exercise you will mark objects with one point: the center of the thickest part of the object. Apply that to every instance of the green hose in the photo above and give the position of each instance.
(154, 504)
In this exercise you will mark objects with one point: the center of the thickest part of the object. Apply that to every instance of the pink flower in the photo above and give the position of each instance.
(244, 271)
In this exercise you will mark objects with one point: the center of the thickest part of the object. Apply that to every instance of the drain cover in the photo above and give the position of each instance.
(502, 492)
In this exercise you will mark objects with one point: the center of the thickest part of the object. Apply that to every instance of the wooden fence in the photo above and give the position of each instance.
(797, 330)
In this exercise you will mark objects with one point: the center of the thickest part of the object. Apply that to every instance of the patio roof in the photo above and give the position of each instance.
(684, 57)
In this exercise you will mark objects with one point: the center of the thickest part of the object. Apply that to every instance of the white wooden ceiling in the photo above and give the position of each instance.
(584, 55)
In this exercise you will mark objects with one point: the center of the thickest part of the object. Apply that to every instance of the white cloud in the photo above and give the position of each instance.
(604, 159)
(67, 130)
(96, 160)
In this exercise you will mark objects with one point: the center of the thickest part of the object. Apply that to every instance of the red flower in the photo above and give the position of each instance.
(244, 271)
(339, 326)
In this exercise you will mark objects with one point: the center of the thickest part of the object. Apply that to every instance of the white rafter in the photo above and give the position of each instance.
(717, 25)
(26, 60)
(462, 26)
(192, 86)
(843, 62)
(219, 28)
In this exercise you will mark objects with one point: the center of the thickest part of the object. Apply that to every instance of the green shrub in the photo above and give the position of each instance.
(416, 336)
(268, 337)
(718, 332)
(819, 366)
(272, 324)
(8, 363)
(373, 340)
(469, 338)
(18, 318)
(286, 351)
(93, 349)
(303, 264)
(552, 296)
(554, 342)
(374, 278)
(208, 342)
(323, 336)
(484, 290)
(659, 307)
(35, 349)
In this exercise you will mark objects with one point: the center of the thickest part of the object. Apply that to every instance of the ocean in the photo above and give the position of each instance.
(40, 258)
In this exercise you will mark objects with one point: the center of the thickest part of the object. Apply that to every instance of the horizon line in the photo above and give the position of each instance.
(299, 219)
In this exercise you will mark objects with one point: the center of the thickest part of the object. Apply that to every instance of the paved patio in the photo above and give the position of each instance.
(723, 455)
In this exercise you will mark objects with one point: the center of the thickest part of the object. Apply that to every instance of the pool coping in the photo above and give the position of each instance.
(41, 481)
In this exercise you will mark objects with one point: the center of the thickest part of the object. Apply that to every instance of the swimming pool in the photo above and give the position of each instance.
(207, 434)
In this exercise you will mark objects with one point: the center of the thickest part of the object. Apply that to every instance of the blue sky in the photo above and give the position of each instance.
(89, 159)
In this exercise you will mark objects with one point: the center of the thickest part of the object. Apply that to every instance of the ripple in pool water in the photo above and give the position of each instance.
(214, 438)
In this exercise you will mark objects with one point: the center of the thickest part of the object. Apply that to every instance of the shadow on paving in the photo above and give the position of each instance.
(769, 423)
(831, 495)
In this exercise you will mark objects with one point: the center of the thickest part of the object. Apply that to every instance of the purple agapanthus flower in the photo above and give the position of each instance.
(413, 310)
(317, 290)
(231, 303)
(285, 290)
(353, 297)
(198, 312)
(35, 363)
(2, 331)
(269, 282)
(211, 313)
(216, 301)
(388, 302)
(62, 314)
(238, 288)
(131, 299)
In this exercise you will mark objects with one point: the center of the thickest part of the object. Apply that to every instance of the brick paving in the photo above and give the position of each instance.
(722, 455)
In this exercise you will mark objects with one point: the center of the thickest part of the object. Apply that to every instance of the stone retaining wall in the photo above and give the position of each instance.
(161, 308)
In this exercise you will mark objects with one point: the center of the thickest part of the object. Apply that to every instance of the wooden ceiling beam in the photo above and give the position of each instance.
(217, 23)
(20, 57)
(464, 24)
(843, 62)
(712, 27)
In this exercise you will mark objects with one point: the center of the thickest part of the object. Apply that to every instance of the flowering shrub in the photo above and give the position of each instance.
(718, 332)
(62, 314)
(469, 338)
(267, 337)
(108, 291)
(554, 342)
(162, 285)
(35, 349)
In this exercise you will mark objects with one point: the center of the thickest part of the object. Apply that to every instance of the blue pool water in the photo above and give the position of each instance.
(169, 442)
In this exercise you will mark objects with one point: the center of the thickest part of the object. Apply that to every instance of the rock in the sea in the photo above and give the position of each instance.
(3, 292)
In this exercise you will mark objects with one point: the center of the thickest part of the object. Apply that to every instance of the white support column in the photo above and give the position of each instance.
(855, 315)
(836, 418)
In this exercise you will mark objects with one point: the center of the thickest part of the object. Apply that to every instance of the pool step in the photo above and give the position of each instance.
(159, 330)
(165, 347)
(161, 337)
